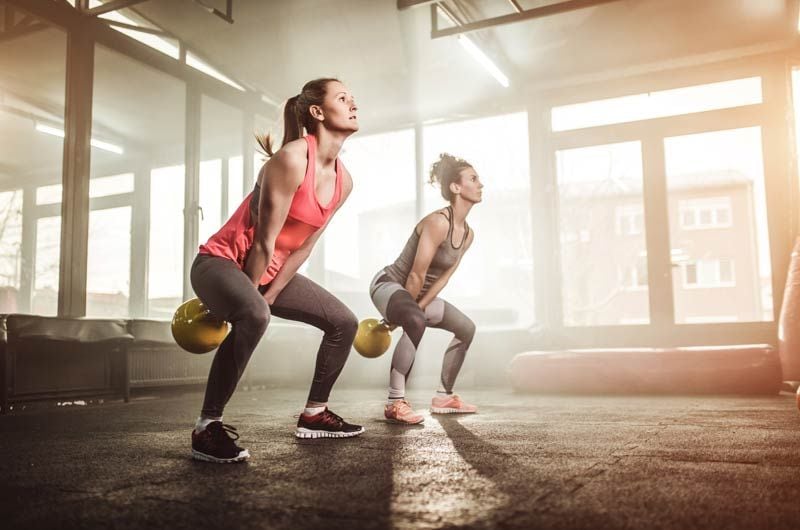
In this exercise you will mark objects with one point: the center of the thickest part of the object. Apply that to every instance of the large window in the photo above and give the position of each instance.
(139, 169)
(221, 168)
(500, 261)
(45, 283)
(165, 264)
(11, 263)
(109, 258)
(718, 226)
(33, 66)
(601, 225)
(674, 102)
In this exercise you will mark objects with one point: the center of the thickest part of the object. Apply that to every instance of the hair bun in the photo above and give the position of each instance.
(445, 171)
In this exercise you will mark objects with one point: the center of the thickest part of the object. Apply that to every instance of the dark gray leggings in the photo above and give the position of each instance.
(229, 294)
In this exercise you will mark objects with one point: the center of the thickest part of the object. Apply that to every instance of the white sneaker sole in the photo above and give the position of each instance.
(402, 422)
(197, 455)
(438, 410)
(302, 432)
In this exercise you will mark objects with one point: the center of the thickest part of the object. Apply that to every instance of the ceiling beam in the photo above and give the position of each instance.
(113, 5)
(537, 12)
(227, 16)
(63, 15)
(518, 8)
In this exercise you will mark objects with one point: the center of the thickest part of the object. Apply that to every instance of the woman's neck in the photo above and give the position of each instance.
(461, 209)
(328, 146)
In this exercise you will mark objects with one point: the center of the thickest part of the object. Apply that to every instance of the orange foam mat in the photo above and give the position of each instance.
(741, 369)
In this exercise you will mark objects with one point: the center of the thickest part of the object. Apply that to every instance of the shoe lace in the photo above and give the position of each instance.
(402, 406)
(333, 416)
(233, 434)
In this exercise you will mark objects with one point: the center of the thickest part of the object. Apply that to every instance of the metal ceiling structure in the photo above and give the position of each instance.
(519, 14)
(16, 24)
(115, 5)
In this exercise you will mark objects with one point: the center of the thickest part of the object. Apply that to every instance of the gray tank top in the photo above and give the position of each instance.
(445, 257)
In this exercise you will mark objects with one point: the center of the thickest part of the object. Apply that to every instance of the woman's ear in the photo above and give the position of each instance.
(455, 188)
(316, 112)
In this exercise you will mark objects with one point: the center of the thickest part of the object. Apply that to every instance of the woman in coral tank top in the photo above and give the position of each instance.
(247, 271)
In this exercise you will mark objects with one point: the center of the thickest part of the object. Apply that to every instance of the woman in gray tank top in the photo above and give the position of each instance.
(406, 292)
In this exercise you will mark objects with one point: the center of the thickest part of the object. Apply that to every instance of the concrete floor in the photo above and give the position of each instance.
(522, 462)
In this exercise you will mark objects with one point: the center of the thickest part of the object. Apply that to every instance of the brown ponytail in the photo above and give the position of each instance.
(296, 115)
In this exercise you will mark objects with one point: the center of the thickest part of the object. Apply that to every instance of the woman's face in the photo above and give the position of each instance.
(339, 108)
(469, 185)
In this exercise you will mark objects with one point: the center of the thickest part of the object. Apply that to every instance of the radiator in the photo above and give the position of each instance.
(156, 366)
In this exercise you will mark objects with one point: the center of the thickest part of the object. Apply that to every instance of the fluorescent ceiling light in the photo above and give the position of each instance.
(200, 65)
(482, 58)
(113, 148)
(154, 41)
(49, 130)
(105, 146)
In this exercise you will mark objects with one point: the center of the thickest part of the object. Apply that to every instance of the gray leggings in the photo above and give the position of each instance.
(229, 294)
(398, 307)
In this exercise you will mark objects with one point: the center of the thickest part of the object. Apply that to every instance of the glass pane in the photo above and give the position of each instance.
(33, 66)
(500, 260)
(10, 250)
(675, 102)
(49, 194)
(719, 177)
(113, 185)
(368, 232)
(150, 133)
(45, 282)
(109, 262)
(210, 198)
(235, 184)
(165, 265)
(221, 142)
(599, 187)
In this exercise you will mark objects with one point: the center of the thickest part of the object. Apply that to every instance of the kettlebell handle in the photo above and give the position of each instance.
(387, 325)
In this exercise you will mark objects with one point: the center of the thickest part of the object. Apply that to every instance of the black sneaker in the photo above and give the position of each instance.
(326, 424)
(215, 444)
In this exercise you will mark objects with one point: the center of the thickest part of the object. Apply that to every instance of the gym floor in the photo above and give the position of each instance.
(523, 462)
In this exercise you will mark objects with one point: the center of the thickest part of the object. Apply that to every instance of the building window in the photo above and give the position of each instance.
(630, 220)
(706, 273)
(705, 213)
(633, 277)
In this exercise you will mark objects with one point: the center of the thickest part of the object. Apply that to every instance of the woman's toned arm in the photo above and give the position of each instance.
(281, 176)
(433, 231)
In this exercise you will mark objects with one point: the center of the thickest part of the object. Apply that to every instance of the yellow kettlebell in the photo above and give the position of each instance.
(195, 329)
(373, 337)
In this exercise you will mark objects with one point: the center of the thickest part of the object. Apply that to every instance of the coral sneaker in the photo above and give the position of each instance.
(400, 412)
(451, 404)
